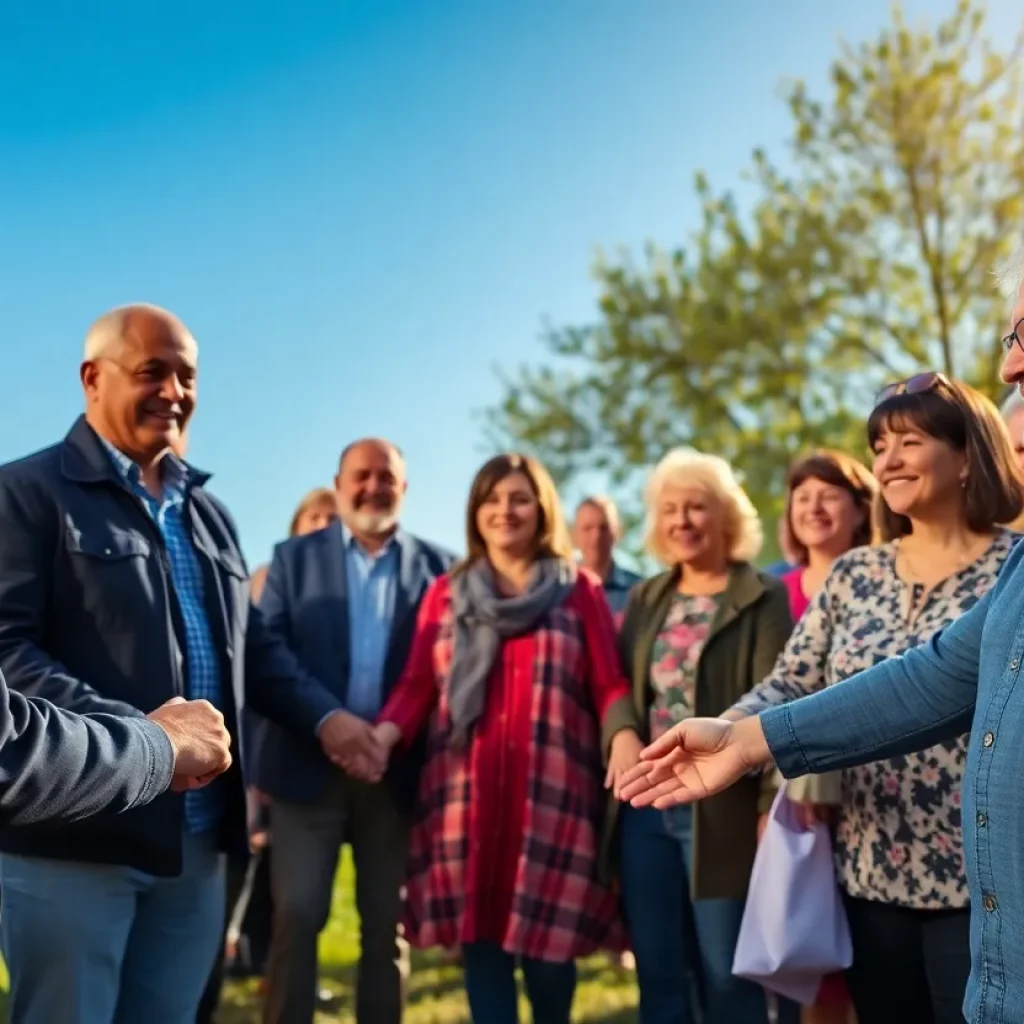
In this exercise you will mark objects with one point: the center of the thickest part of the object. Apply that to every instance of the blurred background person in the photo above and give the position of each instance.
(514, 666)
(249, 909)
(948, 476)
(596, 531)
(829, 510)
(695, 639)
(319, 508)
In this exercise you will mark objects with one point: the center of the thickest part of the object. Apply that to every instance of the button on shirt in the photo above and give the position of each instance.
(203, 807)
(966, 678)
(371, 581)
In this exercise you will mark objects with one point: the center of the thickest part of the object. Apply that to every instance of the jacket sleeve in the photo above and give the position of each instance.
(277, 685)
(56, 766)
(30, 532)
(901, 705)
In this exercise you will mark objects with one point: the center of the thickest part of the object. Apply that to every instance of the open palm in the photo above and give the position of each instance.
(695, 759)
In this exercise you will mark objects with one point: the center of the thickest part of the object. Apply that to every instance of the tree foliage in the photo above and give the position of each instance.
(865, 256)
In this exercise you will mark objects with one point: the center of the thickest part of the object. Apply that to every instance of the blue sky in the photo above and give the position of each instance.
(360, 207)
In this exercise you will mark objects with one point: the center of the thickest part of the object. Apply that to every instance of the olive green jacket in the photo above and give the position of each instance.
(750, 628)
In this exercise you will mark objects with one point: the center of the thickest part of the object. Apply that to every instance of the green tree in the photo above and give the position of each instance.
(866, 259)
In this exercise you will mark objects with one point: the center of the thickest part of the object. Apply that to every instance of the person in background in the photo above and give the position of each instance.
(596, 530)
(829, 510)
(514, 668)
(122, 585)
(947, 474)
(344, 599)
(694, 639)
(318, 509)
(248, 876)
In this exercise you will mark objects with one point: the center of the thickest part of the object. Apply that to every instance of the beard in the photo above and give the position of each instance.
(372, 521)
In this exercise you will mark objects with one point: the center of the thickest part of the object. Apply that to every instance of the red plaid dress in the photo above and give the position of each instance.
(505, 843)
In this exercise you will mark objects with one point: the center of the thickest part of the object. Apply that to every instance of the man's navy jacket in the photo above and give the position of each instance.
(89, 620)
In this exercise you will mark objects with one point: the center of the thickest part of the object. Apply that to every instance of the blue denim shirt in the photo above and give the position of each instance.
(965, 679)
(371, 581)
(203, 807)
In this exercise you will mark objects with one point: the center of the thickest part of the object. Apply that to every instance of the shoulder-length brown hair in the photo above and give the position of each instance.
(838, 470)
(966, 420)
(552, 533)
(315, 497)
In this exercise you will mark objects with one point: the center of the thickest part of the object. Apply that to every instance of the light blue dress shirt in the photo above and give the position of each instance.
(371, 583)
(966, 678)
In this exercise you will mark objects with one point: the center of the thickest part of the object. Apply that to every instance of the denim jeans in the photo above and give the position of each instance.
(683, 947)
(95, 942)
(490, 975)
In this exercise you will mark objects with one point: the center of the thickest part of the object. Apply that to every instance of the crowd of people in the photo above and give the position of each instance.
(533, 753)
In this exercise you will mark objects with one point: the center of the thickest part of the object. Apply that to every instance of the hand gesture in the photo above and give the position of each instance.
(349, 742)
(694, 759)
(199, 738)
(625, 753)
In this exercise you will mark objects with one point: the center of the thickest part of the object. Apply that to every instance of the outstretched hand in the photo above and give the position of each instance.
(695, 759)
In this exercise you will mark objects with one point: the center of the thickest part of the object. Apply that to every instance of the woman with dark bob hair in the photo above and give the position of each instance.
(945, 467)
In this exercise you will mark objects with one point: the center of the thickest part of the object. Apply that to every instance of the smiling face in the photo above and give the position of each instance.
(1013, 363)
(370, 486)
(141, 395)
(824, 517)
(593, 536)
(509, 516)
(690, 527)
(920, 475)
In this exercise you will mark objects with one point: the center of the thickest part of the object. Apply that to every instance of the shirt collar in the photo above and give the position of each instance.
(351, 543)
(174, 472)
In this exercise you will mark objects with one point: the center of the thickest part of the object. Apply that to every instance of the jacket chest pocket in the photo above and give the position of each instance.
(110, 568)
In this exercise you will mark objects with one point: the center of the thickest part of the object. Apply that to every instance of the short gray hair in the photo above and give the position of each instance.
(106, 335)
(1010, 275)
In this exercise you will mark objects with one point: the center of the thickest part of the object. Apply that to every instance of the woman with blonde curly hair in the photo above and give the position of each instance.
(694, 640)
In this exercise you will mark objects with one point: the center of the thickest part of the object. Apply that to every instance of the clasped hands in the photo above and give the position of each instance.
(357, 747)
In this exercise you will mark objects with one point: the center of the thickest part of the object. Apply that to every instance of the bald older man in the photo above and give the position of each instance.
(122, 585)
(345, 600)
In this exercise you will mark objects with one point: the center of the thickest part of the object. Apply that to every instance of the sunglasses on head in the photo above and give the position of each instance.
(915, 385)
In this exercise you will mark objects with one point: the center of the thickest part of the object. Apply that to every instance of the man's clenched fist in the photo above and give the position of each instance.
(202, 746)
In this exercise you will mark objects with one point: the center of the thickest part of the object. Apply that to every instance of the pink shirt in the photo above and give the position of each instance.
(798, 600)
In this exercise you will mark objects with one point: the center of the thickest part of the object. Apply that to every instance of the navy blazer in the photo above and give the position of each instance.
(304, 603)
(88, 618)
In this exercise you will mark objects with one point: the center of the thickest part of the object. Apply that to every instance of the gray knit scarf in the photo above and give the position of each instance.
(483, 618)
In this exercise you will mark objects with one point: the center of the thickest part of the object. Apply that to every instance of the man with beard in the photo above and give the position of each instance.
(344, 599)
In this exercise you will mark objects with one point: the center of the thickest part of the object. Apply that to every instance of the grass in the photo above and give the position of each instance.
(606, 993)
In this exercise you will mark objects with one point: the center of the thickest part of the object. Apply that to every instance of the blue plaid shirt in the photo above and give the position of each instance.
(203, 807)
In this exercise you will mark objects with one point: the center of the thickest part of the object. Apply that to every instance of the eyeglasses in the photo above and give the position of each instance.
(915, 385)
(1014, 336)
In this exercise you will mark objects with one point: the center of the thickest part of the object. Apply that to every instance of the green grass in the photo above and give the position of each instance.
(606, 993)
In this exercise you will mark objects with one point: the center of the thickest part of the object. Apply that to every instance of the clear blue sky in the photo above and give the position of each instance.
(360, 207)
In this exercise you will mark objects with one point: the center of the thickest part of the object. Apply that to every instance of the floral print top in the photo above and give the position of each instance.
(675, 656)
(898, 837)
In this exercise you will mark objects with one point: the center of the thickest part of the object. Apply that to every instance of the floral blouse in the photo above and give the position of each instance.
(675, 657)
(898, 838)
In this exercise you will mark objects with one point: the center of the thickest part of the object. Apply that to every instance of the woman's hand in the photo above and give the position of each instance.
(624, 754)
(695, 759)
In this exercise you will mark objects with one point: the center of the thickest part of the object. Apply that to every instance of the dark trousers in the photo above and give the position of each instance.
(490, 977)
(909, 966)
(307, 840)
(684, 948)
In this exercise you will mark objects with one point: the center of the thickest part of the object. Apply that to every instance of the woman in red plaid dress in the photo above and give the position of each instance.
(514, 664)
